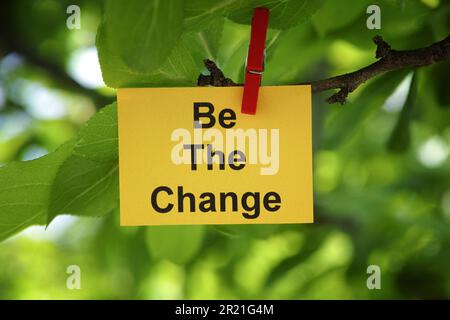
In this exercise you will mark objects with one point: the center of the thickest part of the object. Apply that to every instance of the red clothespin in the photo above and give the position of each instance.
(254, 67)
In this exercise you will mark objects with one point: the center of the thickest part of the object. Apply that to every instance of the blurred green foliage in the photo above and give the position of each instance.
(381, 162)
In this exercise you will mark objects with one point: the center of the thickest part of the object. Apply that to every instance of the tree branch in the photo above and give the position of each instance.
(389, 60)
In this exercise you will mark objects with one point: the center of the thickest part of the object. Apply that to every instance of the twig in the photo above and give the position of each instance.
(215, 78)
(389, 60)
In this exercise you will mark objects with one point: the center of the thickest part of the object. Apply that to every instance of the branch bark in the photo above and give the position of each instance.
(388, 60)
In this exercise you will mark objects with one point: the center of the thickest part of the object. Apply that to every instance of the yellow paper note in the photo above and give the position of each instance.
(189, 156)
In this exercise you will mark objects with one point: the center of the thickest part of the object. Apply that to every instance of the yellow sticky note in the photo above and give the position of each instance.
(189, 156)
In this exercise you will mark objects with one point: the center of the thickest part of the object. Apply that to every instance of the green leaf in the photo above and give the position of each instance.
(233, 50)
(283, 67)
(206, 42)
(114, 71)
(200, 14)
(85, 188)
(344, 122)
(283, 13)
(87, 182)
(181, 67)
(400, 138)
(80, 178)
(313, 241)
(257, 231)
(142, 32)
(337, 14)
(178, 244)
(398, 26)
(439, 75)
(98, 139)
(25, 190)
(204, 21)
